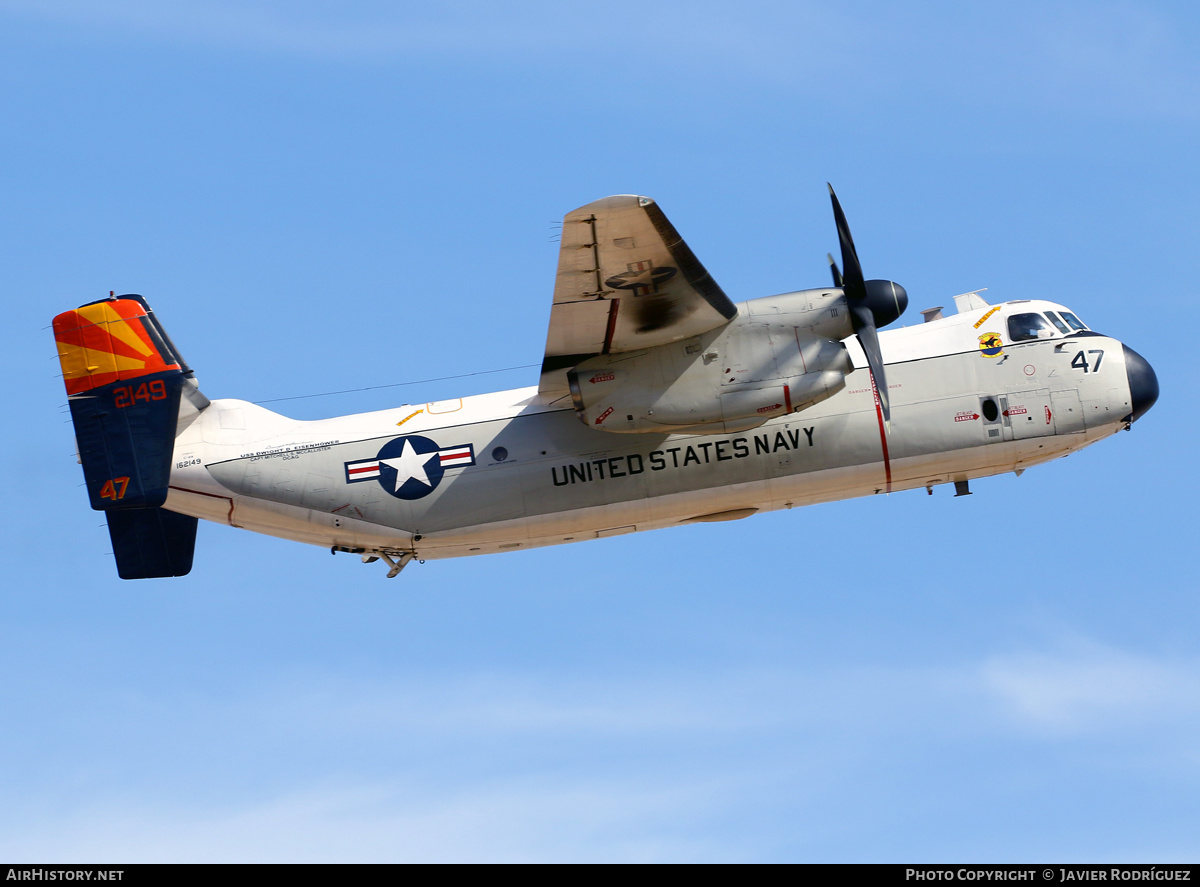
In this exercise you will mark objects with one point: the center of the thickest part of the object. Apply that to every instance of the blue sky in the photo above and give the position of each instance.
(316, 198)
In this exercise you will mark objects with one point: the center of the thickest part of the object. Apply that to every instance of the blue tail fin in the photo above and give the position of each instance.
(125, 381)
(151, 543)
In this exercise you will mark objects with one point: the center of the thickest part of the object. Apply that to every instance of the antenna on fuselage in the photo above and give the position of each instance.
(970, 301)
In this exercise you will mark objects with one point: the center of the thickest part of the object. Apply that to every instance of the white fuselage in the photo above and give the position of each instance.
(513, 469)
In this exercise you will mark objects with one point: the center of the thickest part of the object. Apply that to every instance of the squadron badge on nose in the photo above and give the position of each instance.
(990, 345)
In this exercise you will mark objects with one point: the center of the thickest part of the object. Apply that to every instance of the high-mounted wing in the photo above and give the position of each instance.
(626, 281)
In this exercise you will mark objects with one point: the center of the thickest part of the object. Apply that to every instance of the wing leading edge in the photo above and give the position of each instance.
(626, 281)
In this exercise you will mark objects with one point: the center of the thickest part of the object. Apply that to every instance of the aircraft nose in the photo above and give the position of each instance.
(1143, 384)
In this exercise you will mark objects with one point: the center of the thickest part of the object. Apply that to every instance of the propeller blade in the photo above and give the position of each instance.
(852, 275)
(859, 303)
(833, 269)
(868, 337)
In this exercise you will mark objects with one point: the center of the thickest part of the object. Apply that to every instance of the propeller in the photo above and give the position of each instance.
(833, 269)
(872, 304)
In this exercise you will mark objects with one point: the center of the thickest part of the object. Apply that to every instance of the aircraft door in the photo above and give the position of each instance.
(1030, 413)
(1068, 411)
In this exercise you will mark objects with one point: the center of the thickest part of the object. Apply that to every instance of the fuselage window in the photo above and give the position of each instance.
(1023, 327)
(1054, 319)
(1075, 322)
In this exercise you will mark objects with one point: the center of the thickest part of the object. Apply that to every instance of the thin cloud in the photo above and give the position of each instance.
(568, 820)
(520, 766)
(1092, 688)
(1118, 60)
(332, 30)
(307, 30)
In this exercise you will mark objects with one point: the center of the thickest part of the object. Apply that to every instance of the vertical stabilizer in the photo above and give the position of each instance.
(125, 383)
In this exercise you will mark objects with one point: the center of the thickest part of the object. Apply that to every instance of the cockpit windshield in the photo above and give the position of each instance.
(1023, 327)
(1075, 322)
(1054, 319)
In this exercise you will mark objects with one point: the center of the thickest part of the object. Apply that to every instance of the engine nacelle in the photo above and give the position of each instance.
(749, 373)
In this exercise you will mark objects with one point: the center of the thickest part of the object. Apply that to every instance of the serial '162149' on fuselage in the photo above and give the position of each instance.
(661, 402)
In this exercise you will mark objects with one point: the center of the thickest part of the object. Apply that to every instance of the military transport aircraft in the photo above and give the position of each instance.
(660, 402)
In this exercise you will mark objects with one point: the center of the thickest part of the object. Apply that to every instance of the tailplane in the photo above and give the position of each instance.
(130, 392)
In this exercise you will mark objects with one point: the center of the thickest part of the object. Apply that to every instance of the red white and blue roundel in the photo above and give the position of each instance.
(410, 467)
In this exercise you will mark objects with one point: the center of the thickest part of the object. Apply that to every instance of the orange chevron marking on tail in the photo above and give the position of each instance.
(106, 342)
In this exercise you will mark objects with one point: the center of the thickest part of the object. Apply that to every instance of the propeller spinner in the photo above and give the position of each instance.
(872, 304)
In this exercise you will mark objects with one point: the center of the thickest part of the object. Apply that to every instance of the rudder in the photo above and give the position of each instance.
(151, 543)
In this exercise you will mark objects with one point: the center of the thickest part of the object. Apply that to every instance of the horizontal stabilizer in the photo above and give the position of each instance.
(151, 543)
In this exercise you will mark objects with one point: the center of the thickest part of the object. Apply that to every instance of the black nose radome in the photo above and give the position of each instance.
(1143, 384)
(886, 299)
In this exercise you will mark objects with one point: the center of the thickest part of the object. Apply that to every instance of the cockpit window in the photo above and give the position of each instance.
(1075, 322)
(1062, 327)
(1023, 327)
